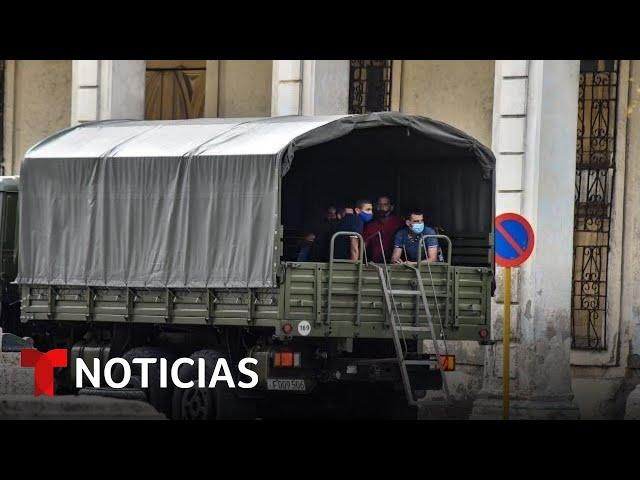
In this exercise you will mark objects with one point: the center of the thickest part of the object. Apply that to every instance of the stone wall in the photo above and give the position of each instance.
(458, 92)
(37, 104)
(244, 88)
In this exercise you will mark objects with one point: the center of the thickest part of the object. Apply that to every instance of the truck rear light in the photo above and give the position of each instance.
(484, 333)
(447, 363)
(287, 359)
(287, 328)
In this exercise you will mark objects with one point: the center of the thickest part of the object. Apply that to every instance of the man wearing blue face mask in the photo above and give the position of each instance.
(408, 239)
(348, 248)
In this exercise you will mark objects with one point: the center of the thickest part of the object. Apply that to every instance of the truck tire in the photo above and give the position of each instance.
(159, 398)
(219, 403)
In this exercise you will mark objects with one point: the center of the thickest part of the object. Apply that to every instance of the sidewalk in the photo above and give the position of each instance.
(74, 407)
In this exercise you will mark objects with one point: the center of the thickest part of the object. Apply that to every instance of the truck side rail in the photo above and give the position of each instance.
(333, 260)
(422, 245)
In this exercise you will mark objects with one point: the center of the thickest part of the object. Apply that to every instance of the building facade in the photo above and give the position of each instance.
(566, 138)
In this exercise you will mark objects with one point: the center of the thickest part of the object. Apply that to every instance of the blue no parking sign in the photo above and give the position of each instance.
(514, 244)
(514, 240)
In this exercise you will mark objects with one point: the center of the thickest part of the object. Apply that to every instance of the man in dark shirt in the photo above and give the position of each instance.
(304, 249)
(386, 223)
(408, 240)
(348, 247)
(320, 248)
(331, 214)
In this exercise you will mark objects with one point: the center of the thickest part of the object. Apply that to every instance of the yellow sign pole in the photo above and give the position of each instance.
(506, 338)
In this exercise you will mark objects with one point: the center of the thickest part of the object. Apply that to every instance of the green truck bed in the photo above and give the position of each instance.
(457, 295)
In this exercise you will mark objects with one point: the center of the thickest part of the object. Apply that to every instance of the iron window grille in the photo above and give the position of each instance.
(595, 173)
(369, 86)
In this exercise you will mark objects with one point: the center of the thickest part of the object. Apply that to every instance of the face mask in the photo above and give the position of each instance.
(417, 227)
(365, 216)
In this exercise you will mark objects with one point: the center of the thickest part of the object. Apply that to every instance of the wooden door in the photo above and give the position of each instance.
(174, 89)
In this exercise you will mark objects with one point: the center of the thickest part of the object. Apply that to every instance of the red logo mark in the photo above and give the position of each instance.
(44, 364)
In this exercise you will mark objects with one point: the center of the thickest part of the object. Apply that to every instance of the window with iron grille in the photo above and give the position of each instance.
(369, 86)
(1, 117)
(595, 172)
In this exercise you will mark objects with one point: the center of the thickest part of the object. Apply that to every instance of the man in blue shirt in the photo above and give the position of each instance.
(408, 239)
(346, 247)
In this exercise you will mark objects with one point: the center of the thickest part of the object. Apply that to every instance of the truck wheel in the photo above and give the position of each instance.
(159, 398)
(219, 403)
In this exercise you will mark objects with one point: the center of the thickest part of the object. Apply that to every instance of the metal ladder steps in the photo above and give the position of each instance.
(406, 360)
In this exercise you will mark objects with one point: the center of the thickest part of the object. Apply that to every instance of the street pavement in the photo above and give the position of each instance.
(74, 407)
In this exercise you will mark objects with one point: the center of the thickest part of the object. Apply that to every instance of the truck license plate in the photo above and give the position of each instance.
(295, 385)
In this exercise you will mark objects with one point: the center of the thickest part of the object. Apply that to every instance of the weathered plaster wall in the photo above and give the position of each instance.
(244, 88)
(458, 92)
(37, 104)
(630, 310)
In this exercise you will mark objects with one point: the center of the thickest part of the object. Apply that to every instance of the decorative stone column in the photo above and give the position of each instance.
(325, 88)
(534, 138)
(286, 88)
(107, 89)
(630, 284)
(310, 87)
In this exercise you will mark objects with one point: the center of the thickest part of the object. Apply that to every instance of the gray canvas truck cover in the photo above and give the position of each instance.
(187, 203)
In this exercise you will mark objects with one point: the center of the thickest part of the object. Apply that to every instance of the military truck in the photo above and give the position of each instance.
(174, 238)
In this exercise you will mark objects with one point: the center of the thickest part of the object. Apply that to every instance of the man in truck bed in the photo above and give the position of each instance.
(408, 239)
(348, 248)
(387, 224)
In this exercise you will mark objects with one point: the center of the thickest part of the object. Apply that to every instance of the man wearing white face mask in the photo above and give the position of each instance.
(408, 240)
